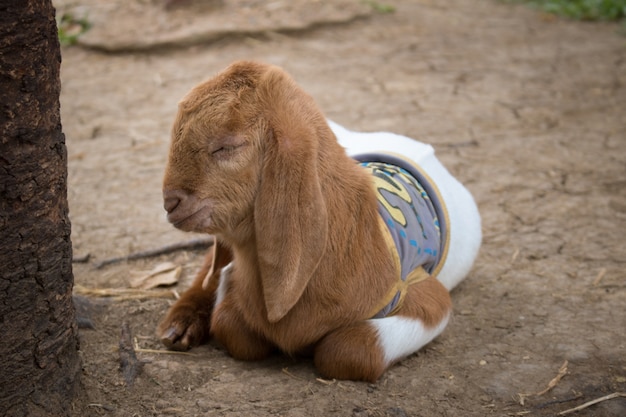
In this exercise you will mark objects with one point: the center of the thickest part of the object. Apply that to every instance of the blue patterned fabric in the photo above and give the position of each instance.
(412, 215)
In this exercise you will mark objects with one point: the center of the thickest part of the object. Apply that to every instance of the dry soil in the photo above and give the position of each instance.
(528, 110)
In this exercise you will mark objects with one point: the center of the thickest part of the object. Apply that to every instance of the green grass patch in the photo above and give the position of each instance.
(582, 9)
(380, 7)
(70, 28)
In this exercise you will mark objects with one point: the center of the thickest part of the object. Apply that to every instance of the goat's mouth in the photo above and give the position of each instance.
(196, 221)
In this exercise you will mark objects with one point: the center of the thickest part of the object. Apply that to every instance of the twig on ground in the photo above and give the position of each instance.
(105, 407)
(556, 379)
(165, 352)
(120, 294)
(287, 372)
(551, 384)
(81, 259)
(326, 381)
(129, 364)
(599, 277)
(199, 243)
(561, 401)
(593, 402)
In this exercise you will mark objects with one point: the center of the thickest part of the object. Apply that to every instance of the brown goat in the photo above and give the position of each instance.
(302, 261)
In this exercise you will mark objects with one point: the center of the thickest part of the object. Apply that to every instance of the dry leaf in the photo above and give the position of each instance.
(163, 274)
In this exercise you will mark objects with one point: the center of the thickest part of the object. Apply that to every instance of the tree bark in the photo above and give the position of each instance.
(39, 344)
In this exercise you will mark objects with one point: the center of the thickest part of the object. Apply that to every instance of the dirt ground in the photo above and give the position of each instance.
(529, 111)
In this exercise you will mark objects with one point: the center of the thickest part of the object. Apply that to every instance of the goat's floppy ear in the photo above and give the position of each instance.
(222, 256)
(291, 222)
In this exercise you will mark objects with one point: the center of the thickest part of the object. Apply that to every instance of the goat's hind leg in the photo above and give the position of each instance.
(364, 350)
(423, 316)
(351, 352)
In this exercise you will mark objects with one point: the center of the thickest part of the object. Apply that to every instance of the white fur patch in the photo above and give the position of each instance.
(223, 285)
(400, 336)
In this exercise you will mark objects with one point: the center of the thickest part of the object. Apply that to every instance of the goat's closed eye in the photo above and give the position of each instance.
(223, 149)
(226, 147)
(226, 151)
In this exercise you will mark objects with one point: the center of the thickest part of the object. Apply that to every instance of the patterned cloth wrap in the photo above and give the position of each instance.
(413, 221)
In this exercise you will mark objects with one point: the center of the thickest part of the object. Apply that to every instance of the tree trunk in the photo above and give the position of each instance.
(39, 364)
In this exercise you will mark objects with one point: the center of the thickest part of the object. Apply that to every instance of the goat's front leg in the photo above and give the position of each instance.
(187, 322)
(230, 329)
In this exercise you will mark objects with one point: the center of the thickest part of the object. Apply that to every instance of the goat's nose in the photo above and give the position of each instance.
(171, 199)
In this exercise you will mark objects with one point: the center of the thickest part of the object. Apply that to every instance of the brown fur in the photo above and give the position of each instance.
(254, 162)
(428, 300)
(350, 353)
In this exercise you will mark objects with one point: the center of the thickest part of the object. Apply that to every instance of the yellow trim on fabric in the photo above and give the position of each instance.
(419, 274)
(391, 246)
(415, 276)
